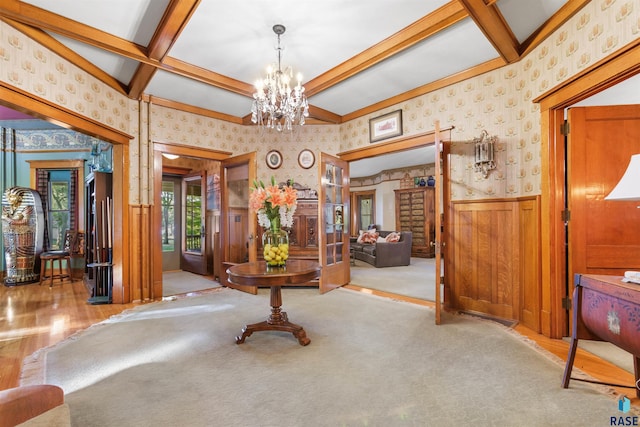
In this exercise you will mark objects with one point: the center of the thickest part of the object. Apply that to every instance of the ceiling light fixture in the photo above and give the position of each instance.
(275, 104)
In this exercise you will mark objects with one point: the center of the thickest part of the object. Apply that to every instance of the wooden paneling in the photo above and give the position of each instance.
(530, 263)
(495, 245)
(140, 262)
(238, 226)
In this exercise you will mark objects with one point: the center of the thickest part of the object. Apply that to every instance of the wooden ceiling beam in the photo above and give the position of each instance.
(477, 70)
(44, 20)
(429, 25)
(205, 76)
(492, 24)
(174, 20)
(193, 109)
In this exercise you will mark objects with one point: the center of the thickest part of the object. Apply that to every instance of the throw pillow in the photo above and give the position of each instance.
(370, 237)
(393, 237)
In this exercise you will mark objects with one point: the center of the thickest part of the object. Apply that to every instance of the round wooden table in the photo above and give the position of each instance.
(296, 272)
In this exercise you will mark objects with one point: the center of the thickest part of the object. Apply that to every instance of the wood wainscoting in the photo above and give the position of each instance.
(495, 259)
(141, 286)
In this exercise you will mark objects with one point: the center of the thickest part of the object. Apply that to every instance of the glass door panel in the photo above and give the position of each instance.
(335, 222)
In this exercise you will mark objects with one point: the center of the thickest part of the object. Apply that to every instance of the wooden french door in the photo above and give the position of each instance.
(334, 222)
(193, 226)
(438, 243)
(604, 236)
(238, 224)
(171, 232)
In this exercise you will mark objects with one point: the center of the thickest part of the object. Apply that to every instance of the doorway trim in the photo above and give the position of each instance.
(41, 108)
(155, 239)
(607, 72)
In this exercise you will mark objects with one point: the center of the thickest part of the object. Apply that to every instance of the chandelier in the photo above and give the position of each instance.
(276, 105)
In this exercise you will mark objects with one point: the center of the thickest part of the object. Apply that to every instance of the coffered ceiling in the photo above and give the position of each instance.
(356, 57)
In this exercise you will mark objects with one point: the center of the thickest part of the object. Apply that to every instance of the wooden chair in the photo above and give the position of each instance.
(48, 259)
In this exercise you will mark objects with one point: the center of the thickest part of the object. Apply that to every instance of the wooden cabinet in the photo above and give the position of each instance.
(98, 237)
(415, 213)
(605, 309)
(303, 235)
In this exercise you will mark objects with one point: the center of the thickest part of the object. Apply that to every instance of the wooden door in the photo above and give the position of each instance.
(604, 236)
(194, 229)
(334, 214)
(438, 237)
(238, 224)
(171, 237)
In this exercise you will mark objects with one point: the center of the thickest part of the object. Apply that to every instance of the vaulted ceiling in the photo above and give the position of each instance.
(356, 57)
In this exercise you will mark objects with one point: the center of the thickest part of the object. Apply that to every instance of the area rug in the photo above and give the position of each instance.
(416, 280)
(182, 282)
(371, 361)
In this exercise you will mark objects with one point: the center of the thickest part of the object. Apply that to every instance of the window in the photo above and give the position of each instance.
(168, 200)
(193, 216)
(58, 207)
(43, 172)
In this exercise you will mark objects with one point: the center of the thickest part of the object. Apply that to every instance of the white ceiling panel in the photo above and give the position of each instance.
(451, 51)
(118, 67)
(228, 44)
(337, 31)
(170, 86)
(525, 16)
(133, 20)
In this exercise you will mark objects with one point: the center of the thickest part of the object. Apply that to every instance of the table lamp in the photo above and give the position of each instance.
(628, 189)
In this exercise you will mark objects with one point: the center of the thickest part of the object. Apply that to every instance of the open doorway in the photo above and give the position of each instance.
(378, 173)
(186, 219)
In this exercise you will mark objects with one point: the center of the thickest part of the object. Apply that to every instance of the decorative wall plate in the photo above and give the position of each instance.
(274, 159)
(306, 159)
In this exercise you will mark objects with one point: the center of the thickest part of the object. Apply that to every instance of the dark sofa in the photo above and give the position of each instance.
(384, 254)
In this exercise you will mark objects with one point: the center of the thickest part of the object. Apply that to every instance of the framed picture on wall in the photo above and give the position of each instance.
(306, 159)
(386, 126)
(274, 159)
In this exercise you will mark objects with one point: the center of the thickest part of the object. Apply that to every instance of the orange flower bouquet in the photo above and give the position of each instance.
(275, 208)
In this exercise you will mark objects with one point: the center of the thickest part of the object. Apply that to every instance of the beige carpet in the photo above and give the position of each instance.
(415, 280)
(371, 361)
(182, 282)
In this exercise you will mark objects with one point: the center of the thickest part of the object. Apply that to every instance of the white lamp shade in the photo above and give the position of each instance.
(628, 188)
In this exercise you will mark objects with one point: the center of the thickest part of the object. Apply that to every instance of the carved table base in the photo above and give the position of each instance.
(277, 321)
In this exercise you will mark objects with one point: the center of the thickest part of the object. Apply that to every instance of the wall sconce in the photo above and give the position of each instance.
(484, 153)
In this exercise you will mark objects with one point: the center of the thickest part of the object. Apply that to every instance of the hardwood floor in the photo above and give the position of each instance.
(33, 317)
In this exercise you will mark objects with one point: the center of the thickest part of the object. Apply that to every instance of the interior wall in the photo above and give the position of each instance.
(499, 102)
(52, 144)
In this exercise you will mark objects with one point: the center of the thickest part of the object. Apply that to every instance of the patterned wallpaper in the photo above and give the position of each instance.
(499, 102)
